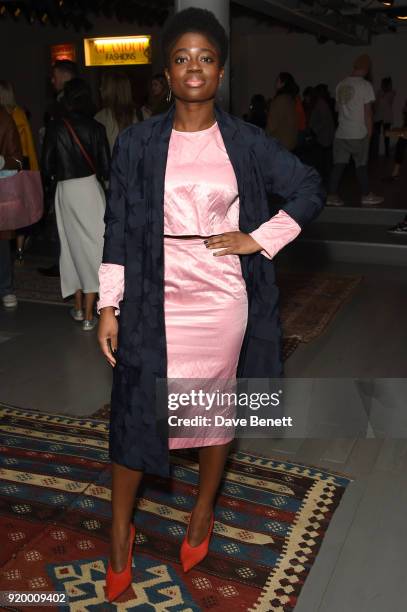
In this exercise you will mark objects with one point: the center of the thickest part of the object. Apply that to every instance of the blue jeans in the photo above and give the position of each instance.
(6, 269)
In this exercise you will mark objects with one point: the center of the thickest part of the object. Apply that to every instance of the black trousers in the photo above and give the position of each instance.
(375, 144)
(400, 150)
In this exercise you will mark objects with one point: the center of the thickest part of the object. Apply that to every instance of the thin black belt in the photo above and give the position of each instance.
(191, 237)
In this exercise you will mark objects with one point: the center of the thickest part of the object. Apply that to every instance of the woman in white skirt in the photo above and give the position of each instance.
(76, 157)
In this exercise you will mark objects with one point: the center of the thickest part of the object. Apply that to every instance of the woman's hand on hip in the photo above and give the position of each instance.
(107, 334)
(233, 243)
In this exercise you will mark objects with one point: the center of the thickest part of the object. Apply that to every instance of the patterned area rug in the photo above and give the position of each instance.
(270, 520)
(308, 302)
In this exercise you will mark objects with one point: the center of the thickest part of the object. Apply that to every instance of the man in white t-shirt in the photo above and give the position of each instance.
(354, 98)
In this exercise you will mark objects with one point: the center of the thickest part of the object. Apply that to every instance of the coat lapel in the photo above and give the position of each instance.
(157, 164)
(237, 150)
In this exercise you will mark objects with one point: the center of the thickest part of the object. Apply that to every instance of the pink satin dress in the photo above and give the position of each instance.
(205, 296)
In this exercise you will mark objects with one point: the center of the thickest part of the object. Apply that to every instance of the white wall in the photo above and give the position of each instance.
(256, 62)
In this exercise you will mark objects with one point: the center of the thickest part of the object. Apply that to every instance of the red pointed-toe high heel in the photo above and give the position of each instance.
(118, 582)
(192, 555)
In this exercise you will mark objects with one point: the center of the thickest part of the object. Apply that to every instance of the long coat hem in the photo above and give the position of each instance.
(269, 178)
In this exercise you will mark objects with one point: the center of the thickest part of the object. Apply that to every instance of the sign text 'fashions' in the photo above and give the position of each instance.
(117, 51)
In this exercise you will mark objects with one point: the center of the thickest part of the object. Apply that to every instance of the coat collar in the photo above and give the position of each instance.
(227, 125)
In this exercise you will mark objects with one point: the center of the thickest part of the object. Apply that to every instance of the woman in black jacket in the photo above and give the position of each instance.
(75, 157)
(189, 240)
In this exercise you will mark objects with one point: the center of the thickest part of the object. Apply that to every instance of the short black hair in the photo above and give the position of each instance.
(197, 20)
(66, 66)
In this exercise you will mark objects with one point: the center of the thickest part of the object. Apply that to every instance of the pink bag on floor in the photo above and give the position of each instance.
(21, 200)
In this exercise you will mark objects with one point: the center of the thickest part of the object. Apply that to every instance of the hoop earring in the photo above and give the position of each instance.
(169, 95)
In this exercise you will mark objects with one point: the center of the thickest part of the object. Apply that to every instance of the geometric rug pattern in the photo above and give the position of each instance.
(270, 520)
(309, 301)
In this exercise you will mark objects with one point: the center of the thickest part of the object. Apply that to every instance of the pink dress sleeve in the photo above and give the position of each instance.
(275, 234)
(111, 286)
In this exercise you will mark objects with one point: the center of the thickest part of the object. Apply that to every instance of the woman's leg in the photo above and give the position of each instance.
(375, 142)
(78, 299)
(20, 242)
(20, 247)
(125, 483)
(89, 304)
(386, 127)
(335, 178)
(398, 157)
(399, 153)
(211, 465)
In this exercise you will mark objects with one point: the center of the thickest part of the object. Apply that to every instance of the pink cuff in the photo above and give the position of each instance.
(111, 286)
(275, 234)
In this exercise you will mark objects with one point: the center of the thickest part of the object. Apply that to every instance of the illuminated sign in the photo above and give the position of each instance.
(63, 52)
(117, 51)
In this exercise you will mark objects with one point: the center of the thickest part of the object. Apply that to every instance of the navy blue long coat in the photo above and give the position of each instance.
(134, 238)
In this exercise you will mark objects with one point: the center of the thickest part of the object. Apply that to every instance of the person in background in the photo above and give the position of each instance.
(400, 151)
(282, 119)
(322, 126)
(8, 101)
(308, 149)
(354, 97)
(383, 116)
(323, 90)
(63, 71)
(299, 108)
(400, 228)
(11, 158)
(159, 100)
(257, 114)
(30, 161)
(118, 110)
(308, 96)
(76, 154)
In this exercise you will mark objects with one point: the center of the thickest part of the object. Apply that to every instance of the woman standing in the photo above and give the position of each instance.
(30, 160)
(383, 116)
(322, 126)
(188, 245)
(11, 158)
(75, 155)
(118, 110)
(400, 150)
(8, 100)
(283, 120)
(158, 101)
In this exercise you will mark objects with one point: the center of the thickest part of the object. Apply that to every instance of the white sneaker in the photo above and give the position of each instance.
(371, 199)
(88, 325)
(77, 315)
(334, 201)
(9, 300)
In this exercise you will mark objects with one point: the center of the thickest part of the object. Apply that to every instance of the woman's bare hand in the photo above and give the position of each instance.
(233, 243)
(107, 334)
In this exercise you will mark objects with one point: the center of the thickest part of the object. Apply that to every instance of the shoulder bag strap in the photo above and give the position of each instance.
(78, 142)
